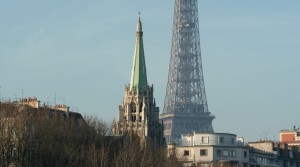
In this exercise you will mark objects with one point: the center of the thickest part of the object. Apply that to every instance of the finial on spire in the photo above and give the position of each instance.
(139, 26)
(140, 14)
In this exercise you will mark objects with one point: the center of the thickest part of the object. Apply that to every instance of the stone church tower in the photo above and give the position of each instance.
(138, 113)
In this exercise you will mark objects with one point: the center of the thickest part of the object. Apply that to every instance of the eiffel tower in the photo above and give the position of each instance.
(185, 106)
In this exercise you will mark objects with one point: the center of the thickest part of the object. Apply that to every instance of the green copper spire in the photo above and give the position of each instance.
(138, 75)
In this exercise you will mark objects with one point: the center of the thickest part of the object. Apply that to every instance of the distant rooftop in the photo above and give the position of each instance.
(294, 129)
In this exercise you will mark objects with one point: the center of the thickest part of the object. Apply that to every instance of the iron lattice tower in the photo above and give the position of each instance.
(185, 107)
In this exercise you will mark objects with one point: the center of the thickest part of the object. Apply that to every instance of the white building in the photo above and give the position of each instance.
(212, 149)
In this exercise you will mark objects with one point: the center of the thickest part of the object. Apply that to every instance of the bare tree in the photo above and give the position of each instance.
(42, 137)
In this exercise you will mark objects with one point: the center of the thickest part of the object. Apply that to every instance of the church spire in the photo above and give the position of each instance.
(138, 75)
(138, 108)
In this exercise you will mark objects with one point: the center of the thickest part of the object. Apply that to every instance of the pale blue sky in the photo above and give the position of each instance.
(82, 52)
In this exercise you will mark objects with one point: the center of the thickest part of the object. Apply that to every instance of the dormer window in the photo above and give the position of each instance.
(204, 140)
(221, 140)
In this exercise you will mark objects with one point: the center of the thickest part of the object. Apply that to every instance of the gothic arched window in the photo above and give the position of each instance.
(141, 107)
(133, 108)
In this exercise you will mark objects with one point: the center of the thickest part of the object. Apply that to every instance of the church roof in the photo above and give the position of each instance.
(138, 75)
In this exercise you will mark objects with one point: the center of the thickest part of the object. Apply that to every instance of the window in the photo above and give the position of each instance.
(219, 153)
(233, 153)
(232, 140)
(221, 139)
(203, 152)
(245, 154)
(133, 108)
(204, 139)
(141, 107)
(225, 153)
(186, 153)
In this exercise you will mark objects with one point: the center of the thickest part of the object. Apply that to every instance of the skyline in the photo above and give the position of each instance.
(83, 52)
